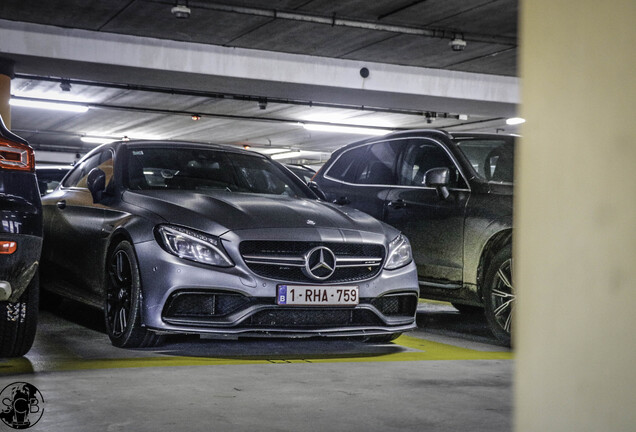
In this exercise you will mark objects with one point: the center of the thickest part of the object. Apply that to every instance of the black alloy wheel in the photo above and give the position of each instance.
(499, 296)
(122, 300)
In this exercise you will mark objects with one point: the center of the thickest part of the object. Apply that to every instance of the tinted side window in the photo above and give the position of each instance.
(77, 177)
(346, 167)
(378, 164)
(421, 156)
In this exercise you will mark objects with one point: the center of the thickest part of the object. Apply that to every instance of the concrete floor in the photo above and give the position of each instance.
(448, 375)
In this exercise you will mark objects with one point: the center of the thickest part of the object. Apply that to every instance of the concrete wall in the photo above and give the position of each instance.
(575, 247)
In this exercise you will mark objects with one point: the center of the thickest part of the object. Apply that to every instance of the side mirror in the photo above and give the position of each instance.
(316, 190)
(438, 178)
(96, 183)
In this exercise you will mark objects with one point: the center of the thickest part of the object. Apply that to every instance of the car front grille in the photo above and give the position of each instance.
(285, 261)
(201, 307)
(396, 305)
(200, 304)
(300, 318)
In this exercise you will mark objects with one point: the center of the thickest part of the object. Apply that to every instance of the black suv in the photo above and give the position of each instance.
(20, 244)
(451, 194)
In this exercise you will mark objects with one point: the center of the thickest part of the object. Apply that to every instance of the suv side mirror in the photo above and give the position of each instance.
(438, 178)
(316, 190)
(96, 183)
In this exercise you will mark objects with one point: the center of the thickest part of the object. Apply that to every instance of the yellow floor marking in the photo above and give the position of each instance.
(418, 350)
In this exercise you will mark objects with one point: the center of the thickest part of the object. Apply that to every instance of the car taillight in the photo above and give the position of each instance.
(8, 247)
(16, 156)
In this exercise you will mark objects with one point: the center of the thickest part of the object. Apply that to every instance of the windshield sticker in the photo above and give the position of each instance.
(138, 153)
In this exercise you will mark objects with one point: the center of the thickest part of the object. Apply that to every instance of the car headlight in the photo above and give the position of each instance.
(399, 253)
(193, 245)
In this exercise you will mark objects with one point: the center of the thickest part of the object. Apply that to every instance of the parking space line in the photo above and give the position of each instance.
(416, 349)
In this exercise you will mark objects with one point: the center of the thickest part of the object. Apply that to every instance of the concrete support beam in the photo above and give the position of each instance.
(6, 75)
(575, 245)
(121, 58)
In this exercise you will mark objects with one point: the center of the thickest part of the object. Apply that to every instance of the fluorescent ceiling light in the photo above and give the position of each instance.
(345, 129)
(302, 154)
(56, 106)
(96, 140)
(269, 151)
(286, 155)
(368, 120)
(515, 121)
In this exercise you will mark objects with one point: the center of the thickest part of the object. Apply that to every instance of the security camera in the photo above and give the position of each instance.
(262, 103)
(458, 44)
(181, 11)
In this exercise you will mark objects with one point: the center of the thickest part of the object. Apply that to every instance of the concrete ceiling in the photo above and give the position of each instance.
(145, 73)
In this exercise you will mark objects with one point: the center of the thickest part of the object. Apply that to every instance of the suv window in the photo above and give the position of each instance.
(77, 177)
(346, 167)
(421, 156)
(378, 164)
(492, 160)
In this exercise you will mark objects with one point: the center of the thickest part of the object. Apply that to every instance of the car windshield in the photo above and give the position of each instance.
(492, 159)
(189, 168)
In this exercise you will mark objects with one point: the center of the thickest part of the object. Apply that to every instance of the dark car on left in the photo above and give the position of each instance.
(20, 244)
(176, 237)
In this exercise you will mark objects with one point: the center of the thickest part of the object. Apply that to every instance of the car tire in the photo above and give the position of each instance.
(499, 295)
(122, 300)
(468, 309)
(18, 321)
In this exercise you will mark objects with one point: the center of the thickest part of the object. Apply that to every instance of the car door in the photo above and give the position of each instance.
(434, 224)
(74, 227)
(363, 177)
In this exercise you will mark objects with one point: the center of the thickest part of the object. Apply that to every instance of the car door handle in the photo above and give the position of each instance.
(397, 204)
(61, 204)
(342, 201)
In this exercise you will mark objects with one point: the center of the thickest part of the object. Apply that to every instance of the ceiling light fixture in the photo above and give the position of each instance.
(65, 85)
(96, 140)
(56, 106)
(286, 155)
(181, 11)
(515, 121)
(458, 43)
(270, 150)
(345, 129)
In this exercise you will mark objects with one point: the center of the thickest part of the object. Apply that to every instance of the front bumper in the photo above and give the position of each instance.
(165, 277)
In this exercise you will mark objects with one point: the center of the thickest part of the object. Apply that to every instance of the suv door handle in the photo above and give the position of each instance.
(397, 204)
(61, 204)
(342, 201)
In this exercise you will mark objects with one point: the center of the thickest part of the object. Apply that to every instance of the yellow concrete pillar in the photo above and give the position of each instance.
(575, 218)
(6, 75)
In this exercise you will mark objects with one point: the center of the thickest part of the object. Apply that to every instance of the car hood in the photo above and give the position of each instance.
(218, 212)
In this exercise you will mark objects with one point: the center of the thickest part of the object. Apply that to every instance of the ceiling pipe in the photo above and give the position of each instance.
(200, 114)
(335, 21)
(216, 95)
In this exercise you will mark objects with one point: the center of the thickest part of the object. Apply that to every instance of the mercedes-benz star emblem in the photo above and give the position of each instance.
(320, 263)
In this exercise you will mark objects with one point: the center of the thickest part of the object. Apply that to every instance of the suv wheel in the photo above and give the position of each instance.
(18, 321)
(122, 308)
(499, 295)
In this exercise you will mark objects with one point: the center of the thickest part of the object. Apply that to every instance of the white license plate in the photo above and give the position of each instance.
(317, 295)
